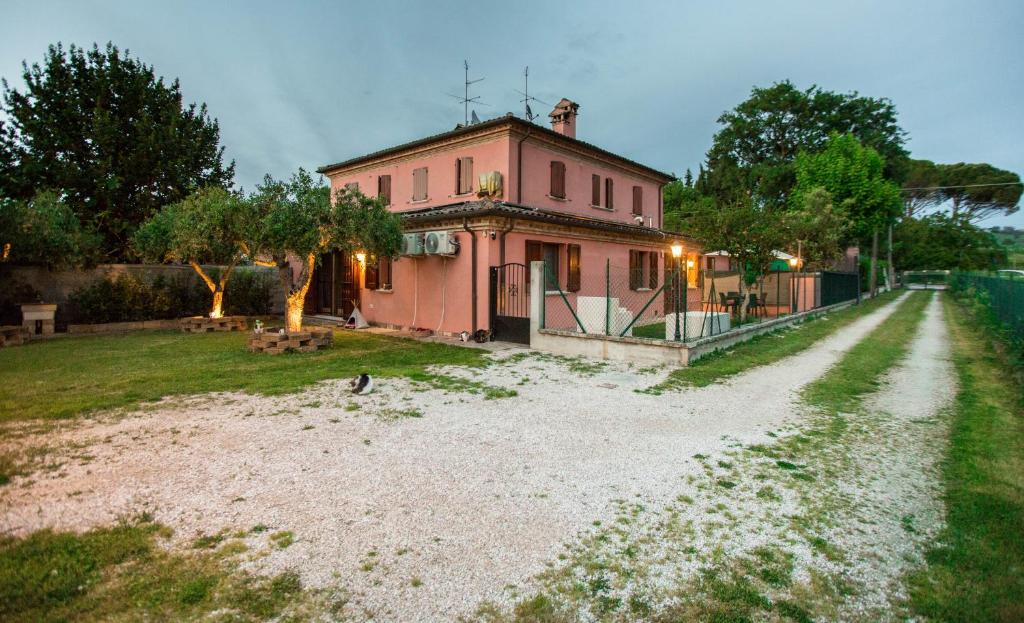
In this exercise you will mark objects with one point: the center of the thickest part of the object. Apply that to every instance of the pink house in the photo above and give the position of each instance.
(478, 204)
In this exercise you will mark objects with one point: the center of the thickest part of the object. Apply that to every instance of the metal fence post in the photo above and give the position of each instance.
(608, 296)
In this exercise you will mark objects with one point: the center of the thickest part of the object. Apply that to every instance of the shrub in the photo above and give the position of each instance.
(128, 298)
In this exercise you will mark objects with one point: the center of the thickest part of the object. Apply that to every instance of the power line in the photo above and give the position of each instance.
(965, 186)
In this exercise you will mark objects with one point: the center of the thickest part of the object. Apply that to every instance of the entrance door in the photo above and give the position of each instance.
(510, 303)
(336, 280)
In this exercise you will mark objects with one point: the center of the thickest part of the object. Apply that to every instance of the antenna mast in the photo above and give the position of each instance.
(526, 96)
(466, 99)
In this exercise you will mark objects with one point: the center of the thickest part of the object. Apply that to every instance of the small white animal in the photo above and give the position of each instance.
(464, 336)
(362, 384)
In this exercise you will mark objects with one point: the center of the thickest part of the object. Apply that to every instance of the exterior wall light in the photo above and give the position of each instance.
(677, 251)
(361, 257)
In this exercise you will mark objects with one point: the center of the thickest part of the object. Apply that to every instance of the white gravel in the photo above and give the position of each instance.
(474, 496)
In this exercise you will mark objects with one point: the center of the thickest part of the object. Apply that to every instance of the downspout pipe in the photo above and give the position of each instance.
(472, 278)
(519, 166)
(501, 241)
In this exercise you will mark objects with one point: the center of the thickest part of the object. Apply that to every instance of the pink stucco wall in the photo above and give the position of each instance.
(491, 155)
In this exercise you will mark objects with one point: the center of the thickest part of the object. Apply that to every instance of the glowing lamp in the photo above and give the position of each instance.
(677, 251)
(361, 257)
(689, 263)
(792, 262)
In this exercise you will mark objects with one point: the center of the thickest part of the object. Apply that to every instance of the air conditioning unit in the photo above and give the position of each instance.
(441, 243)
(412, 244)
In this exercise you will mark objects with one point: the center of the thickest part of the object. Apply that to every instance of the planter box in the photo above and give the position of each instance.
(38, 318)
(13, 335)
(205, 324)
(301, 341)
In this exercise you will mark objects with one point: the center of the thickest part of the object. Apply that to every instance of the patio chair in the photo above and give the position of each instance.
(757, 305)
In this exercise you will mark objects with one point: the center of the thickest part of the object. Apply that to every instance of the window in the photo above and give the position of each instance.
(595, 190)
(384, 189)
(463, 176)
(608, 193)
(557, 179)
(419, 184)
(550, 254)
(643, 270)
(378, 273)
(638, 200)
(572, 284)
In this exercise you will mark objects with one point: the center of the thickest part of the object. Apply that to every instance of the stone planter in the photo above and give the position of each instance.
(38, 318)
(274, 343)
(13, 335)
(205, 324)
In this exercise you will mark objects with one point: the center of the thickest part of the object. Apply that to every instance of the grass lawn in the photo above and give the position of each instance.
(768, 348)
(125, 573)
(64, 377)
(977, 574)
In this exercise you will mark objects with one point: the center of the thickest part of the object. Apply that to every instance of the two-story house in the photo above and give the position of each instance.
(505, 192)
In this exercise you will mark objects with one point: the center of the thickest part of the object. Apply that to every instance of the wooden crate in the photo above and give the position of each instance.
(273, 343)
(205, 324)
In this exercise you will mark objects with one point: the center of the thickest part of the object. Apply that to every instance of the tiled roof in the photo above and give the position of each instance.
(492, 123)
(499, 208)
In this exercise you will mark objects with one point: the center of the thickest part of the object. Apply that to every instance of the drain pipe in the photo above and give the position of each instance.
(472, 277)
(501, 241)
(519, 166)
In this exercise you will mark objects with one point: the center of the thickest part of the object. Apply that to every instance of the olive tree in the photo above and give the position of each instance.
(212, 225)
(299, 220)
(44, 231)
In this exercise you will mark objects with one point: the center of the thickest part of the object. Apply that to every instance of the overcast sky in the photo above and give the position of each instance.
(309, 83)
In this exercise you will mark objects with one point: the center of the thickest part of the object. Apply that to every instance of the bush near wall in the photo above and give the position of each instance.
(127, 298)
(997, 304)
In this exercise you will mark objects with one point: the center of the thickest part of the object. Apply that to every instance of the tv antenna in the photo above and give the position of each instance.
(466, 100)
(526, 96)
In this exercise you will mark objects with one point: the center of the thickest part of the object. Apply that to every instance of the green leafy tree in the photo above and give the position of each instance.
(854, 176)
(760, 138)
(111, 136)
(210, 226)
(943, 242)
(299, 220)
(979, 191)
(818, 226)
(921, 191)
(749, 232)
(679, 201)
(43, 231)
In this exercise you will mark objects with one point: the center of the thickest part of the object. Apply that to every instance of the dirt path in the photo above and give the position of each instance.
(419, 517)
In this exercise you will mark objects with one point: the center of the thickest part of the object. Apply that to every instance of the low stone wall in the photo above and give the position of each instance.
(13, 335)
(121, 327)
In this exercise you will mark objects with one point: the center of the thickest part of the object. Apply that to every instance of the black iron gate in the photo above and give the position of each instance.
(510, 303)
(839, 287)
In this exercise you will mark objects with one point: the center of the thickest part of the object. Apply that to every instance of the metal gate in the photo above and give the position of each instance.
(510, 303)
(838, 287)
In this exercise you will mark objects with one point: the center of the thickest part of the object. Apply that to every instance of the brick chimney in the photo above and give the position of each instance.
(563, 117)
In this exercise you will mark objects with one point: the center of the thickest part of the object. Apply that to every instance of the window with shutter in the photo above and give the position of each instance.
(384, 189)
(595, 190)
(573, 282)
(608, 193)
(384, 273)
(558, 179)
(419, 184)
(653, 276)
(635, 275)
(534, 253)
(638, 200)
(370, 275)
(463, 176)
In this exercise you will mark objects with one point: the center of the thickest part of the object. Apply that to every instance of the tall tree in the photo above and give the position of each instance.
(116, 140)
(299, 220)
(43, 231)
(761, 137)
(210, 226)
(854, 176)
(818, 226)
(942, 242)
(978, 191)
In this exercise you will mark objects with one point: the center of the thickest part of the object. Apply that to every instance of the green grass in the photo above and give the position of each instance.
(977, 574)
(125, 573)
(859, 371)
(65, 377)
(768, 348)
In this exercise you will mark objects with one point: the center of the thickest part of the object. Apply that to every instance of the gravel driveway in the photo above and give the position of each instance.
(419, 518)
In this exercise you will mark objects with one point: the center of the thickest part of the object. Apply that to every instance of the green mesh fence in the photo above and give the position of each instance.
(1003, 295)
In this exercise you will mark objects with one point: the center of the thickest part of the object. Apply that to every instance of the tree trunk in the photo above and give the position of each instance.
(888, 253)
(295, 292)
(218, 292)
(873, 276)
(743, 298)
(218, 304)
